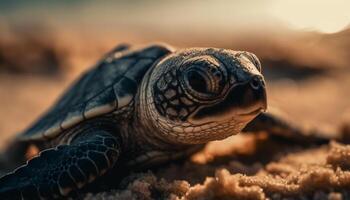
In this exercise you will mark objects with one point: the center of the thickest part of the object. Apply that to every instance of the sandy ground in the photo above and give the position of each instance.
(240, 167)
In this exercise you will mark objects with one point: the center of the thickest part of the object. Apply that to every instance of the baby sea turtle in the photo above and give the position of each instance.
(137, 108)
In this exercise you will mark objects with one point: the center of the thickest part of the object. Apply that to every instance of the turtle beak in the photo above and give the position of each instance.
(246, 100)
(253, 98)
(243, 102)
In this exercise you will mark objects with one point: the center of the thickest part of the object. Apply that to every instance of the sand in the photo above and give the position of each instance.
(313, 173)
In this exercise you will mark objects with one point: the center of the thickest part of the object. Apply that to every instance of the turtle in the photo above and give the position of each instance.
(137, 108)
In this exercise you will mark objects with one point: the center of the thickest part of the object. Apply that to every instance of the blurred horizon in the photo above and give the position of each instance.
(285, 33)
(221, 15)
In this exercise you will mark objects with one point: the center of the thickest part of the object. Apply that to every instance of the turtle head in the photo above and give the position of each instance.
(203, 94)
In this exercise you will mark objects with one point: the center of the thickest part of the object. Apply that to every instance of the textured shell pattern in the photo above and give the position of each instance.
(106, 88)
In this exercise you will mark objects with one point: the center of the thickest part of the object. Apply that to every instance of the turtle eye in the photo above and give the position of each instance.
(203, 78)
(197, 81)
(204, 82)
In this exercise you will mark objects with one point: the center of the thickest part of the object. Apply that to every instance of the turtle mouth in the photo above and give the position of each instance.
(254, 112)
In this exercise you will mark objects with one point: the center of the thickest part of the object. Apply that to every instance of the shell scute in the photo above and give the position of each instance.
(105, 102)
(109, 86)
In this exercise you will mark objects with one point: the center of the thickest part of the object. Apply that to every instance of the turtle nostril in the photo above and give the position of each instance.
(255, 83)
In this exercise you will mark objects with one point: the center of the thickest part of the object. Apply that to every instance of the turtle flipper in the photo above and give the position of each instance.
(60, 171)
(276, 124)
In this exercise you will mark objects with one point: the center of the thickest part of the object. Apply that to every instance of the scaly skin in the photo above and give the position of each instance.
(181, 127)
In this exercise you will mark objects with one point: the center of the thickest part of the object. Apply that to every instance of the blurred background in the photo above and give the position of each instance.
(304, 47)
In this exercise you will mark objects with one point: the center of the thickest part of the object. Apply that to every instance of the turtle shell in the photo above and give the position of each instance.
(105, 88)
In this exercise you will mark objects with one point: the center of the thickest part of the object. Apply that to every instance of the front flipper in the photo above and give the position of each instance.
(275, 124)
(60, 171)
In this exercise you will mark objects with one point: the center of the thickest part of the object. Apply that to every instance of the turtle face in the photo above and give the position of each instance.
(199, 95)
